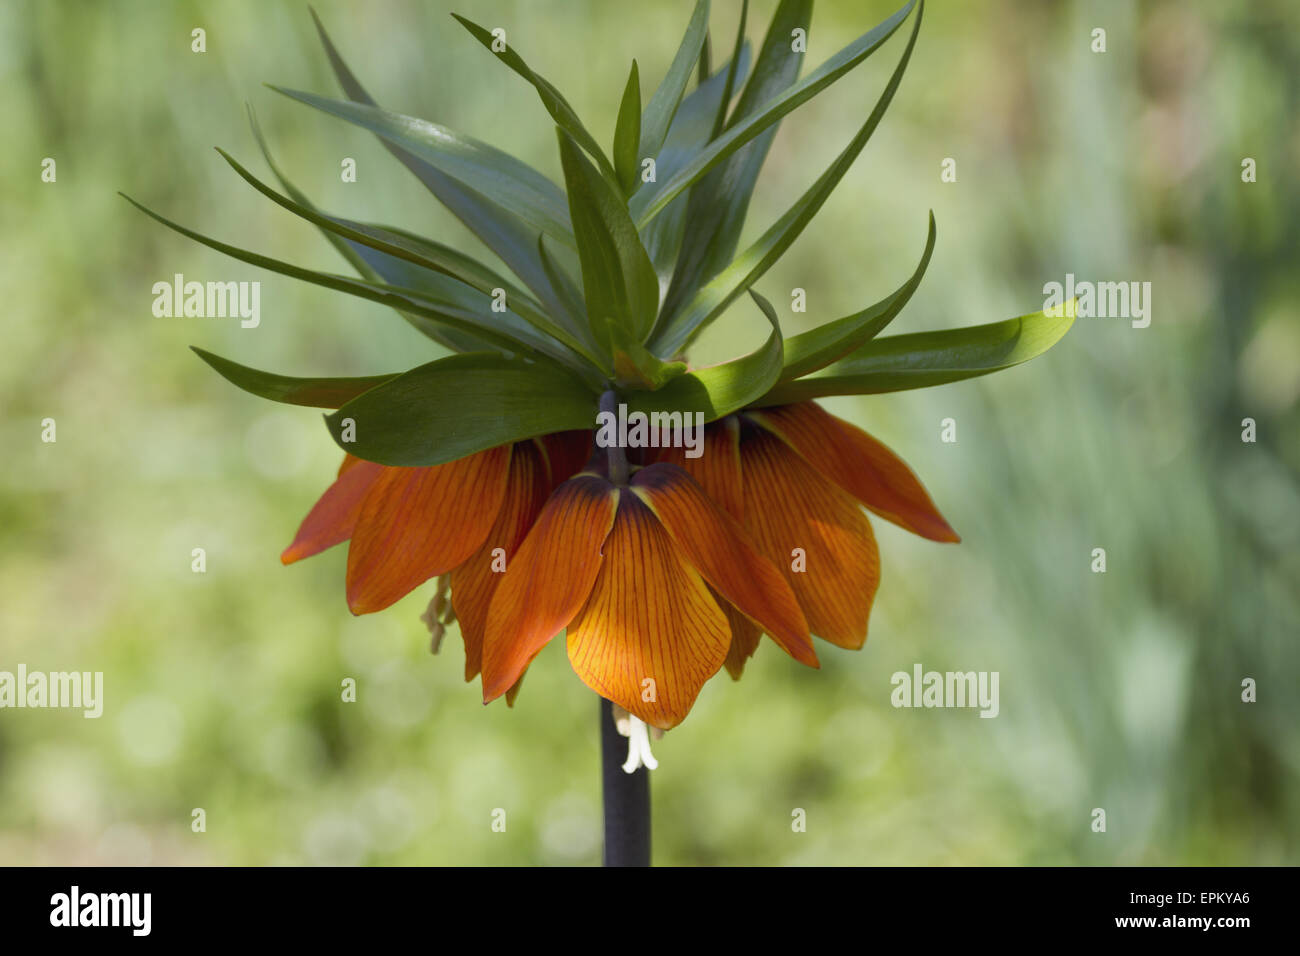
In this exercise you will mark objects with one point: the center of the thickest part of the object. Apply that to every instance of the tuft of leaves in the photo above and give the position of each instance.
(610, 275)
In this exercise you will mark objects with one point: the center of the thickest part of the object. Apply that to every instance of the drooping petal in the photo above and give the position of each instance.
(789, 506)
(548, 580)
(420, 522)
(650, 634)
(474, 582)
(566, 454)
(513, 692)
(333, 518)
(716, 468)
(859, 464)
(713, 543)
(744, 638)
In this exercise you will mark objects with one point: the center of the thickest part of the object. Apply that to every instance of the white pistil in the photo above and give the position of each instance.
(638, 741)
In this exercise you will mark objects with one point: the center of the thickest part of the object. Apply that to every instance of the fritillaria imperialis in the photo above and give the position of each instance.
(485, 468)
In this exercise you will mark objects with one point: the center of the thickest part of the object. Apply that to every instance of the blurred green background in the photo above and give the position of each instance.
(1119, 690)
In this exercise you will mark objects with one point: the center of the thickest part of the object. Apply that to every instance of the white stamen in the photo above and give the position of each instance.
(638, 747)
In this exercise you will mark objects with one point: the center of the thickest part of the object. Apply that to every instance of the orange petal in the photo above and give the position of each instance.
(348, 461)
(333, 518)
(713, 543)
(420, 522)
(744, 639)
(859, 464)
(566, 454)
(717, 469)
(513, 692)
(650, 635)
(548, 579)
(473, 583)
(788, 505)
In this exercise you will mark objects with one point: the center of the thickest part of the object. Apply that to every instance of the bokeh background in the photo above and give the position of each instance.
(1119, 690)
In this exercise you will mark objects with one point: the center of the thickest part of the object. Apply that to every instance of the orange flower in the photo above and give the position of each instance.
(794, 475)
(646, 578)
(660, 581)
(407, 525)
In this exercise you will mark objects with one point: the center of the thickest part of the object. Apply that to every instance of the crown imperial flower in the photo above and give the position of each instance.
(479, 468)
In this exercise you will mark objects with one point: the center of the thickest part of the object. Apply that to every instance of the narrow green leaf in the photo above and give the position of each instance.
(756, 260)
(825, 344)
(460, 405)
(923, 359)
(720, 389)
(618, 279)
(566, 290)
(555, 103)
(431, 255)
(627, 134)
(499, 229)
(515, 186)
(688, 134)
(400, 244)
(740, 134)
(663, 103)
(352, 87)
(720, 117)
(715, 213)
(405, 300)
(372, 265)
(312, 392)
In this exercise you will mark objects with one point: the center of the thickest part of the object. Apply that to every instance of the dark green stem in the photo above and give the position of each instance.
(626, 797)
(616, 456)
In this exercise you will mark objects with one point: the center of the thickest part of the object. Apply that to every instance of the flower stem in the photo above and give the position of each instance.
(626, 797)
(615, 455)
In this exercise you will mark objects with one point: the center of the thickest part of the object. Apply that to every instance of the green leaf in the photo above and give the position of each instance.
(515, 186)
(565, 288)
(618, 279)
(433, 256)
(554, 102)
(758, 258)
(923, 359)
(716, 211)
(472, 320)
(313, 392)
(720, 117)
(720, 389)
(659, 112)
(627, 134)
(819, 347)
(740, 134)
(689, 134)
(635, 367)
(703, 66)
(500, 230)
(372, 265)
(460, 405)
(402, 245)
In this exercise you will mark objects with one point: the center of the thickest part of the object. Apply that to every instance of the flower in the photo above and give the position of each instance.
(469, 463)
(407, 525)
(647, 578)
(794, 476)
